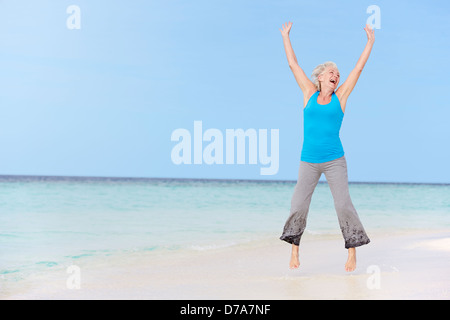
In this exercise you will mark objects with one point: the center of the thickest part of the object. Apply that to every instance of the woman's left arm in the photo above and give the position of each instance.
(346, 88)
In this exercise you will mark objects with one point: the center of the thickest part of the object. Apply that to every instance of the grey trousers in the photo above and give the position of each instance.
(336, 174)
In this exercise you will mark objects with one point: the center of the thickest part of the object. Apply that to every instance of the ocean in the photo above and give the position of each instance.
(49, 222)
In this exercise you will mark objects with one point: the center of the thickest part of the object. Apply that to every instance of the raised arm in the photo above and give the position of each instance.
(346, 88)
(306, 85)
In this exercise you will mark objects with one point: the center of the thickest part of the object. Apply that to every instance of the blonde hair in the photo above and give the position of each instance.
(319, 70)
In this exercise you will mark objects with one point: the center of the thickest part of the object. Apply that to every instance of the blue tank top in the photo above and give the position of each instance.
(321, 126)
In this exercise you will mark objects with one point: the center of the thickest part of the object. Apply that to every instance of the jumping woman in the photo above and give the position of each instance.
(322, 152)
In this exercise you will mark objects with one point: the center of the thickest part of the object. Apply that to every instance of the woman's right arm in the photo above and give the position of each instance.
(306, 85)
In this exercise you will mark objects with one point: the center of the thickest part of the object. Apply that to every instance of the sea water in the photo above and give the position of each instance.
(47, 221)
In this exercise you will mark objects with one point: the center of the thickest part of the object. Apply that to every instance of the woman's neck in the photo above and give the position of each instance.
(325, 94)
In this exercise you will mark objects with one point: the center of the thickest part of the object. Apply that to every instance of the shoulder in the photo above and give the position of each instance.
(339, 93)
(308, 95)
(342, 98)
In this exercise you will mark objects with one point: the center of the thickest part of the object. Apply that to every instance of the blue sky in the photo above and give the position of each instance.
(104, 100)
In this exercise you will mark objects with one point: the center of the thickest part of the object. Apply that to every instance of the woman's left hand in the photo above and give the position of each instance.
(370, 33)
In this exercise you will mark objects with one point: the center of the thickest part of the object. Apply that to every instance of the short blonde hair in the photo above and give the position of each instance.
(319, 70)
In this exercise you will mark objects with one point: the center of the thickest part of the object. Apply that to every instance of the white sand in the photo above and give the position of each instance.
(395, 266)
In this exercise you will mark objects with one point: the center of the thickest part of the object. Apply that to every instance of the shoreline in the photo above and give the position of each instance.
(81, 178)
(401, 265)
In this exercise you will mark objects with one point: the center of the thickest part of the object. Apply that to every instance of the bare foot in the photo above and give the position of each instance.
(294, 263)
(350, 265)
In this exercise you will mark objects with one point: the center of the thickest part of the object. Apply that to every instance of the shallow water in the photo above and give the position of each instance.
(47, 221)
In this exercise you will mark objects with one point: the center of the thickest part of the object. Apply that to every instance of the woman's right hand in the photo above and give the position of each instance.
(370, 33)
(286, 29)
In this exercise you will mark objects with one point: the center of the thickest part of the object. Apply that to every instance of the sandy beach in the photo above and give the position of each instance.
(408, 265)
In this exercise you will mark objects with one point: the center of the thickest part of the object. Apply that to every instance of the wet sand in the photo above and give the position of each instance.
(413, 265)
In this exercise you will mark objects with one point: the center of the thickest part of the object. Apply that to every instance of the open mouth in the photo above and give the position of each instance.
(333, 81)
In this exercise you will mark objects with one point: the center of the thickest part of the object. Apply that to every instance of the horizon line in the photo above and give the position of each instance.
(99, 178)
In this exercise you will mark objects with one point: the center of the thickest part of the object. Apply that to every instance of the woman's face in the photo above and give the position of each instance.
(329, 78)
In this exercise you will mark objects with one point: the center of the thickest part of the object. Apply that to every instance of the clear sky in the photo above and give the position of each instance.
(104, 100)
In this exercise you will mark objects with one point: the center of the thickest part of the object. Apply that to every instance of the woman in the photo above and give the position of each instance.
(323, 110)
